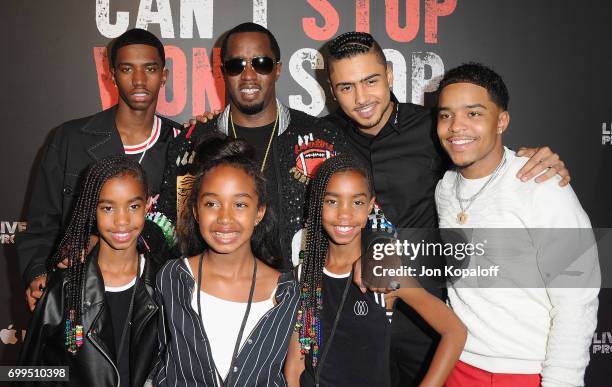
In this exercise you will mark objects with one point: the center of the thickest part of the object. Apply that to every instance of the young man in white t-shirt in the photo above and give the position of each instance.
(535, 332)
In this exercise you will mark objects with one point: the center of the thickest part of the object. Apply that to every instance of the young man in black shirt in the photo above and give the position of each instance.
(398, 141)
(131, 127)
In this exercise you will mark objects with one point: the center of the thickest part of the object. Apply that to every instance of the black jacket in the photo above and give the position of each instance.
(94, 364)
(303, 143)
(72, 147)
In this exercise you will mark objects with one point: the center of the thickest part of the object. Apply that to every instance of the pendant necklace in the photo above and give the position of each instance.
(263, 163)
(462, 216)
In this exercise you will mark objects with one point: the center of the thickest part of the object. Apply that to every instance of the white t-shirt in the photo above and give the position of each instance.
(222, 320)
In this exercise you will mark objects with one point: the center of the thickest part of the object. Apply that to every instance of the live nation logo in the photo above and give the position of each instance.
(606, 133)
(8, 231)
(602, 343)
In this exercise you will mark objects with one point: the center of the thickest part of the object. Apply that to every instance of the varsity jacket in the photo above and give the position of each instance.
(303, 143)
(72, 147)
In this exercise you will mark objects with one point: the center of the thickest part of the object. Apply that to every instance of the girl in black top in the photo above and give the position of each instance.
(105, 338)
(342, 335)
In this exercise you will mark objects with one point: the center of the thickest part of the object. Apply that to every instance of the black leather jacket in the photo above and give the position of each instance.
(94, 364)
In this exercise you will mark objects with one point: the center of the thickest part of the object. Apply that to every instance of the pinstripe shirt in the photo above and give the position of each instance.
(185, 355)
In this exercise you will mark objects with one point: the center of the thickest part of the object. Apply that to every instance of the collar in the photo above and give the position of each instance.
(394, 118)
(102, 123)
(284, 118)
(284, 283)
(95, 282)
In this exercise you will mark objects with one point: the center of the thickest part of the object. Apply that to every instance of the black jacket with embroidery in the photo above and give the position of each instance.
(72, 147)
(303, 143)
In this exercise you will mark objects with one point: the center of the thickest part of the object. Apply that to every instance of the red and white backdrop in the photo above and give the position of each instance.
(554, 55)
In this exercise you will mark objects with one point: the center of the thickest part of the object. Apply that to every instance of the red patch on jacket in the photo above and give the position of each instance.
(310, 154)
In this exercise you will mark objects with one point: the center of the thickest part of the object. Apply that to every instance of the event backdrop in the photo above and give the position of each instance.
(554, 55)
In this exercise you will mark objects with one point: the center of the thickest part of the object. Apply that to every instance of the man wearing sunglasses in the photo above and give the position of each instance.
(289, 144)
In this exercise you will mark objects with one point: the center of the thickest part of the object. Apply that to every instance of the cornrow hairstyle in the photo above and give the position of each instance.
(75, 240)
(354, 43)
(215, 150)
(313, 260)
(251, 27)
(480, 75)
(137, 36)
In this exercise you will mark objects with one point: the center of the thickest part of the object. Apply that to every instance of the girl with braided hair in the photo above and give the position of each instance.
(342, 335)
(98, 316)
(226, 309)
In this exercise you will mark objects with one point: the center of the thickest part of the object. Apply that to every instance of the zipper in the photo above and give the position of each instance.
(146, 319)
(91, 338)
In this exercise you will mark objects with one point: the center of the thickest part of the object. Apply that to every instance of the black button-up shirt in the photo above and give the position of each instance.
(406, 161)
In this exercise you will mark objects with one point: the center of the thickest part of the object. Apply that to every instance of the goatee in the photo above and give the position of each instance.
(248, 109)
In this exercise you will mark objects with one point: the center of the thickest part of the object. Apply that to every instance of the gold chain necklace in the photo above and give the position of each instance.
(462, 216)
(263, 163)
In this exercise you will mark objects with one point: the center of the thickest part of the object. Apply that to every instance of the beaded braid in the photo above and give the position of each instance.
(313, 257)
(75, 241)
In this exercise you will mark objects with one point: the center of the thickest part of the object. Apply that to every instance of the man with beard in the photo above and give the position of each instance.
(131, 127)
(289, 143)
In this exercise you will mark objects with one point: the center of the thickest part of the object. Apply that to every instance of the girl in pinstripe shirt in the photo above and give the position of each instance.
(226, 310)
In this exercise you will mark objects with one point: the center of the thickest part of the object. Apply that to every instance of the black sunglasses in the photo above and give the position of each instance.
(262, 65)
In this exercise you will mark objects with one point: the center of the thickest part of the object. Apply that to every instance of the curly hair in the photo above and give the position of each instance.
(480, 75)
